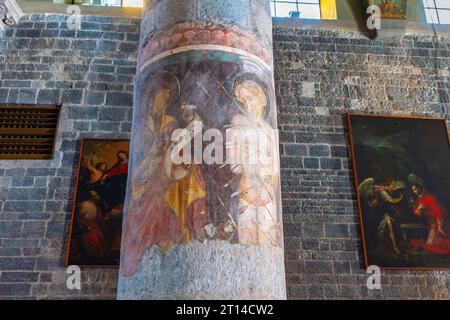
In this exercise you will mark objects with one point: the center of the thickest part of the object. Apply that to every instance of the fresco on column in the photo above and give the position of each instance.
(217, 84)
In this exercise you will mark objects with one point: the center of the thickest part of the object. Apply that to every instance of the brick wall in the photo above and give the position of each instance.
(320, 75)
(90, 73)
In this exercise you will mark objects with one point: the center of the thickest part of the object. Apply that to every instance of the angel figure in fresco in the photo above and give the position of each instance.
(428, 207)
(386, 204)
(253, 140)
(167, 203)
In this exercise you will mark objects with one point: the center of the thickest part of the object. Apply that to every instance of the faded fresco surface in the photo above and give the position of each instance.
(403, 170)
(96, 232)
(220, 80)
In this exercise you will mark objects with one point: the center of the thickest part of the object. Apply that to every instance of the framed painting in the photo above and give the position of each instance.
(390, 9)
(96, 228)
(402, 178)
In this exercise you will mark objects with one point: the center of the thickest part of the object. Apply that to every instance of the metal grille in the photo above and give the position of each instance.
(28, 131)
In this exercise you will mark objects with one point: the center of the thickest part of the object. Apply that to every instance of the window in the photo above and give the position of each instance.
(437, 11)
(115, 3)
(28, 131)
(304, 9)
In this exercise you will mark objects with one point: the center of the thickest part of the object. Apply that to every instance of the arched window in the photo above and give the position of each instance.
(304, 9)
(437, 11)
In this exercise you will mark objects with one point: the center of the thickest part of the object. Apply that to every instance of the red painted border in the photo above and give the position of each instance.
(184, 35)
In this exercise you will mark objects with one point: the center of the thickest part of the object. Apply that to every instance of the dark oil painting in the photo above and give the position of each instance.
(96, 229)
(402, 168)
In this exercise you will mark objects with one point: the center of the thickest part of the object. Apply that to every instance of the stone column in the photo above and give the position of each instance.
(203, 202)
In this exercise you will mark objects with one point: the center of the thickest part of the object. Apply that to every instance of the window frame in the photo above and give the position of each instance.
(297, 3)
(436, 9)
(121, 5)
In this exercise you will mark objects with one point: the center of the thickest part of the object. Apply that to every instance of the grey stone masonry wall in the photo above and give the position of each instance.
(90, 73)
(321, 75)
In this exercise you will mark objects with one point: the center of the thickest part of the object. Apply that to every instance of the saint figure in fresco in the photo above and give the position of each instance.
(253, 157)
(428, 207)
(167, 203)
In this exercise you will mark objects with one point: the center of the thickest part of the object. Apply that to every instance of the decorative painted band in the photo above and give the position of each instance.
(189, 35)
(204, 47)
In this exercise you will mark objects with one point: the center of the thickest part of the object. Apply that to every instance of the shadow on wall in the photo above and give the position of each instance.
(349, 164)
(360, 16)
(66, 236)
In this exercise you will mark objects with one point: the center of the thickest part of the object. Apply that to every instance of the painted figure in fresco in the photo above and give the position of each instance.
(385, 201)
(186, 194)
(257, 220)
(429, 208)
(167, 201)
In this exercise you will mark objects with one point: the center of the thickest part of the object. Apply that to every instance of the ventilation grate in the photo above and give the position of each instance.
(28, 131)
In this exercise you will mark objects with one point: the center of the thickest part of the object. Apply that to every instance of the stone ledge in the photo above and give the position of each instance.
(394, 29)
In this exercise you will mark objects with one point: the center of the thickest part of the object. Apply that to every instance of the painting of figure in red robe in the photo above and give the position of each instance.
(96, 228)
(402, 169)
